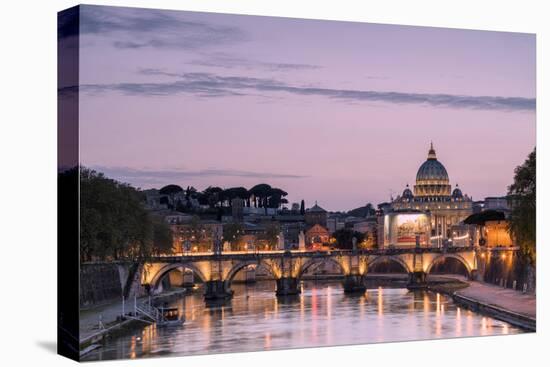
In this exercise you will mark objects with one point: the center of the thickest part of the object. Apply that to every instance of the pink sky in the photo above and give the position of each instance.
(338, 112)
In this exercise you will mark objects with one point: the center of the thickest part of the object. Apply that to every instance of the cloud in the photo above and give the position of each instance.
(212, 85)
(152, 176)
(220, 60)
(139, 28)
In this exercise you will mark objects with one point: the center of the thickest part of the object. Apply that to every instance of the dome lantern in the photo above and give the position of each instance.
(431, 152)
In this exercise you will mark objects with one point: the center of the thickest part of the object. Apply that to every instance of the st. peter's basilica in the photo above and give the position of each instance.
(432, 193)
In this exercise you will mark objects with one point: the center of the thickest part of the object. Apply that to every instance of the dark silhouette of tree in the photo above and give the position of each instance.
(233, 232)
(114, 223)
(270, 235)
(212, 195)
(234, 193)
(302, 207)
(275, 197)
(344, 238)
(190, 192)
(170, 190)
(284, 201)
(260, 194)
(162, 236)
(522, 200)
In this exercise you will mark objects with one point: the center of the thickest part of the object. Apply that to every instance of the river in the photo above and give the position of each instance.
(255, 319)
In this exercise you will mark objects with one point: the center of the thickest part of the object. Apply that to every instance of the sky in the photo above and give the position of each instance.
(341, 113)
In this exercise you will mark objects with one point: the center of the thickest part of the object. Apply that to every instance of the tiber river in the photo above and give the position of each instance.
(321, 316)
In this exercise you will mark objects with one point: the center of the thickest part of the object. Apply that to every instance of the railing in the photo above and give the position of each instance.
(144, 311)
(318, 253)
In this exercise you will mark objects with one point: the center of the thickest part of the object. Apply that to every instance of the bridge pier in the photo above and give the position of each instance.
(355, 284)
(217, 290)
(287, 286)
(417, 279)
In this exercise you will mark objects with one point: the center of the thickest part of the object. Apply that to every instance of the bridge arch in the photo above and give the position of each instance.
(242, 264)
(443, 257)
(394, 259)
(160, 273)
(320, 260)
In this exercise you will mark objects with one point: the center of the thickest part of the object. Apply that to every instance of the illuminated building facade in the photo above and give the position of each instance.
(432, 194)
(316, 236)
(497, 234)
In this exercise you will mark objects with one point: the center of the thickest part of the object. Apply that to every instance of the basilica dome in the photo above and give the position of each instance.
(432, 171)
(432, 178)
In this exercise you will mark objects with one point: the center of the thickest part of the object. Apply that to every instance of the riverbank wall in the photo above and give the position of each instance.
(102, 283)
(506, 269)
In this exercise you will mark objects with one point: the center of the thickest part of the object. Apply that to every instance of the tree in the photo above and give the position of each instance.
(302, 207)
(190, 192)
(522, 200)
(113, 221)
(234, 193)
(212, 195)
(232, 232)
(271, 234)
(170, 191)
(260, 193)
(275, 197)
(162, 236)
(344, 238)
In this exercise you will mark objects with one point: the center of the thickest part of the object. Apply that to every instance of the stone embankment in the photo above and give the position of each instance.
(514, 307)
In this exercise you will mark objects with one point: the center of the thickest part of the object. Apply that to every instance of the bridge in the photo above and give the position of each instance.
(217, 271)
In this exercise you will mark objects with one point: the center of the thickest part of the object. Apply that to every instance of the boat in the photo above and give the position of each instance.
(169, 317)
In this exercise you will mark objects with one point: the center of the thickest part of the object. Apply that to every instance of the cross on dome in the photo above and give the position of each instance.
(431, 152)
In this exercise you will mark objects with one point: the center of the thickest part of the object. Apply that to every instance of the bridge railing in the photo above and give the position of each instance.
(317, 253)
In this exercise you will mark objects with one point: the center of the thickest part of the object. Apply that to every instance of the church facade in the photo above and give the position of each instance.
(432, 195)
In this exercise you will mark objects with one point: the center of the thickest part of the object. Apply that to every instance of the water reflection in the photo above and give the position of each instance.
(322, 315)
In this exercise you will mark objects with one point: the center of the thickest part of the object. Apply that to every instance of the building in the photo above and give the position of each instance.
(317, 236)
(316, 215)
(174, 217)
(432, 194)
(497, 203)
(496, 234)
(335, 223)
(406, 228)
(195, 234)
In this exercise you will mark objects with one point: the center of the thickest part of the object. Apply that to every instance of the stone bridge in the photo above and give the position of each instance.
(218, 270)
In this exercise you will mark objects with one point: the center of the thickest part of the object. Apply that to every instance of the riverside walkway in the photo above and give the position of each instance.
(505, 298)
(108, 315)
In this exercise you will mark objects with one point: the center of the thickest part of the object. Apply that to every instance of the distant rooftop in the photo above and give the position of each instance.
(316, 209)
